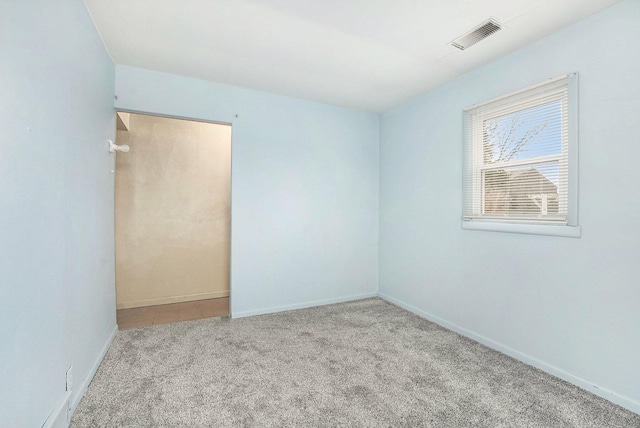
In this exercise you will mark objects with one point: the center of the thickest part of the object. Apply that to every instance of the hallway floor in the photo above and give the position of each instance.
(175, 312)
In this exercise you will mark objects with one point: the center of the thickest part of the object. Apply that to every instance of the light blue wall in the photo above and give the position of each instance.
(568, 305)
(57, 302)
(304, 202)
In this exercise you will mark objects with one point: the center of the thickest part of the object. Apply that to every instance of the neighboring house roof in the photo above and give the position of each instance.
(525, 191)
(533, 181)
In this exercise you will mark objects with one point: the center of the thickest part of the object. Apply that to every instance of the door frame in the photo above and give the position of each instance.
(190, 119)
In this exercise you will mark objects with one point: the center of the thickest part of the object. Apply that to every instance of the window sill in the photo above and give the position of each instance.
(530, 229)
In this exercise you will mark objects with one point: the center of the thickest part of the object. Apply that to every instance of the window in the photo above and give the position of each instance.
(520, 165)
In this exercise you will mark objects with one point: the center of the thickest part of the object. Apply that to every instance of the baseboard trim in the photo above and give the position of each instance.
(607, 394)
(58, 416)
(311, 304)
(79, 393)
(173, 299)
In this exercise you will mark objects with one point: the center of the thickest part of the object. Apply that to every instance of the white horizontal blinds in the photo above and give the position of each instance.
(516, 153)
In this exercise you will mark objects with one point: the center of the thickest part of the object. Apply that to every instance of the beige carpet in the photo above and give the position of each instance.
(365, 364)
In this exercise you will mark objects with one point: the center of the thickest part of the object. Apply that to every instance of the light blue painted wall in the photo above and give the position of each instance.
(57, 299)
(304, 188)
(569, 305)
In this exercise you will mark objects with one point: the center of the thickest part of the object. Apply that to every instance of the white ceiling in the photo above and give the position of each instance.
(365, 54)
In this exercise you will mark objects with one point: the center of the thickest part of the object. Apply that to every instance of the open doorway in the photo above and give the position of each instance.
(172, 220)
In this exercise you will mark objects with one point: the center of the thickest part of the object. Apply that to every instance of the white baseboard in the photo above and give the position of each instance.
(311, 304)
(173, 299)
(79, 393)
(58, 417)
(607, 394)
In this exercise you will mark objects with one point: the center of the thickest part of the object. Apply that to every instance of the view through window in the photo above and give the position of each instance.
(517, 156)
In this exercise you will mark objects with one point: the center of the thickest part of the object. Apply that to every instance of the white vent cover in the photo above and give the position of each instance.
(474, 36)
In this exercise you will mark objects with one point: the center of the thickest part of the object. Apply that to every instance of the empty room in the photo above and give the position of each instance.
(425, 213)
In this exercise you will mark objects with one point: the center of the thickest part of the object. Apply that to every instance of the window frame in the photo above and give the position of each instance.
(510, 103)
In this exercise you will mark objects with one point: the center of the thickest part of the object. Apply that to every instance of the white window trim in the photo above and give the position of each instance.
(571, 228)
(526, 228)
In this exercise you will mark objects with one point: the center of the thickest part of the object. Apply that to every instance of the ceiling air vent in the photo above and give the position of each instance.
(474, 36)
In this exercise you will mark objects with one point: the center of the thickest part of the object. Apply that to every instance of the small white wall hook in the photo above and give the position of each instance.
(116, 148)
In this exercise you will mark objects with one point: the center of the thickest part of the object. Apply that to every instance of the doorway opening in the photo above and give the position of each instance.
(172, 220)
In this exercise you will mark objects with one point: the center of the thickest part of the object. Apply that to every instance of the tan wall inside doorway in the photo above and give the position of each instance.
(172, 211)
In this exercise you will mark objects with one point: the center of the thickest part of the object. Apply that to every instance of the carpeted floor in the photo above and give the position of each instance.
(366, 364)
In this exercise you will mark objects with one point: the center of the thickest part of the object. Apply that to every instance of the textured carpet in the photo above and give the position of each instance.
(366, 363)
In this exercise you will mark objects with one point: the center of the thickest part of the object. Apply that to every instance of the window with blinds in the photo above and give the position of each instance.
(520, 156)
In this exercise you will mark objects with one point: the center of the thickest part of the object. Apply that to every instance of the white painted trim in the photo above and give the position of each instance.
(314, 303)
(607, 394)
(58, 417)
(520, 91)
(79, 393)
(529, 229)
(173, 299)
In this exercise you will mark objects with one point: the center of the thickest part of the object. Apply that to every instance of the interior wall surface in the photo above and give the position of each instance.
(569, 306)
(172, 211)
(304, 202)
(57, 302)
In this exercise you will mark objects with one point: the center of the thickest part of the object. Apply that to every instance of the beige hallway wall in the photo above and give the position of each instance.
(172, 211)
